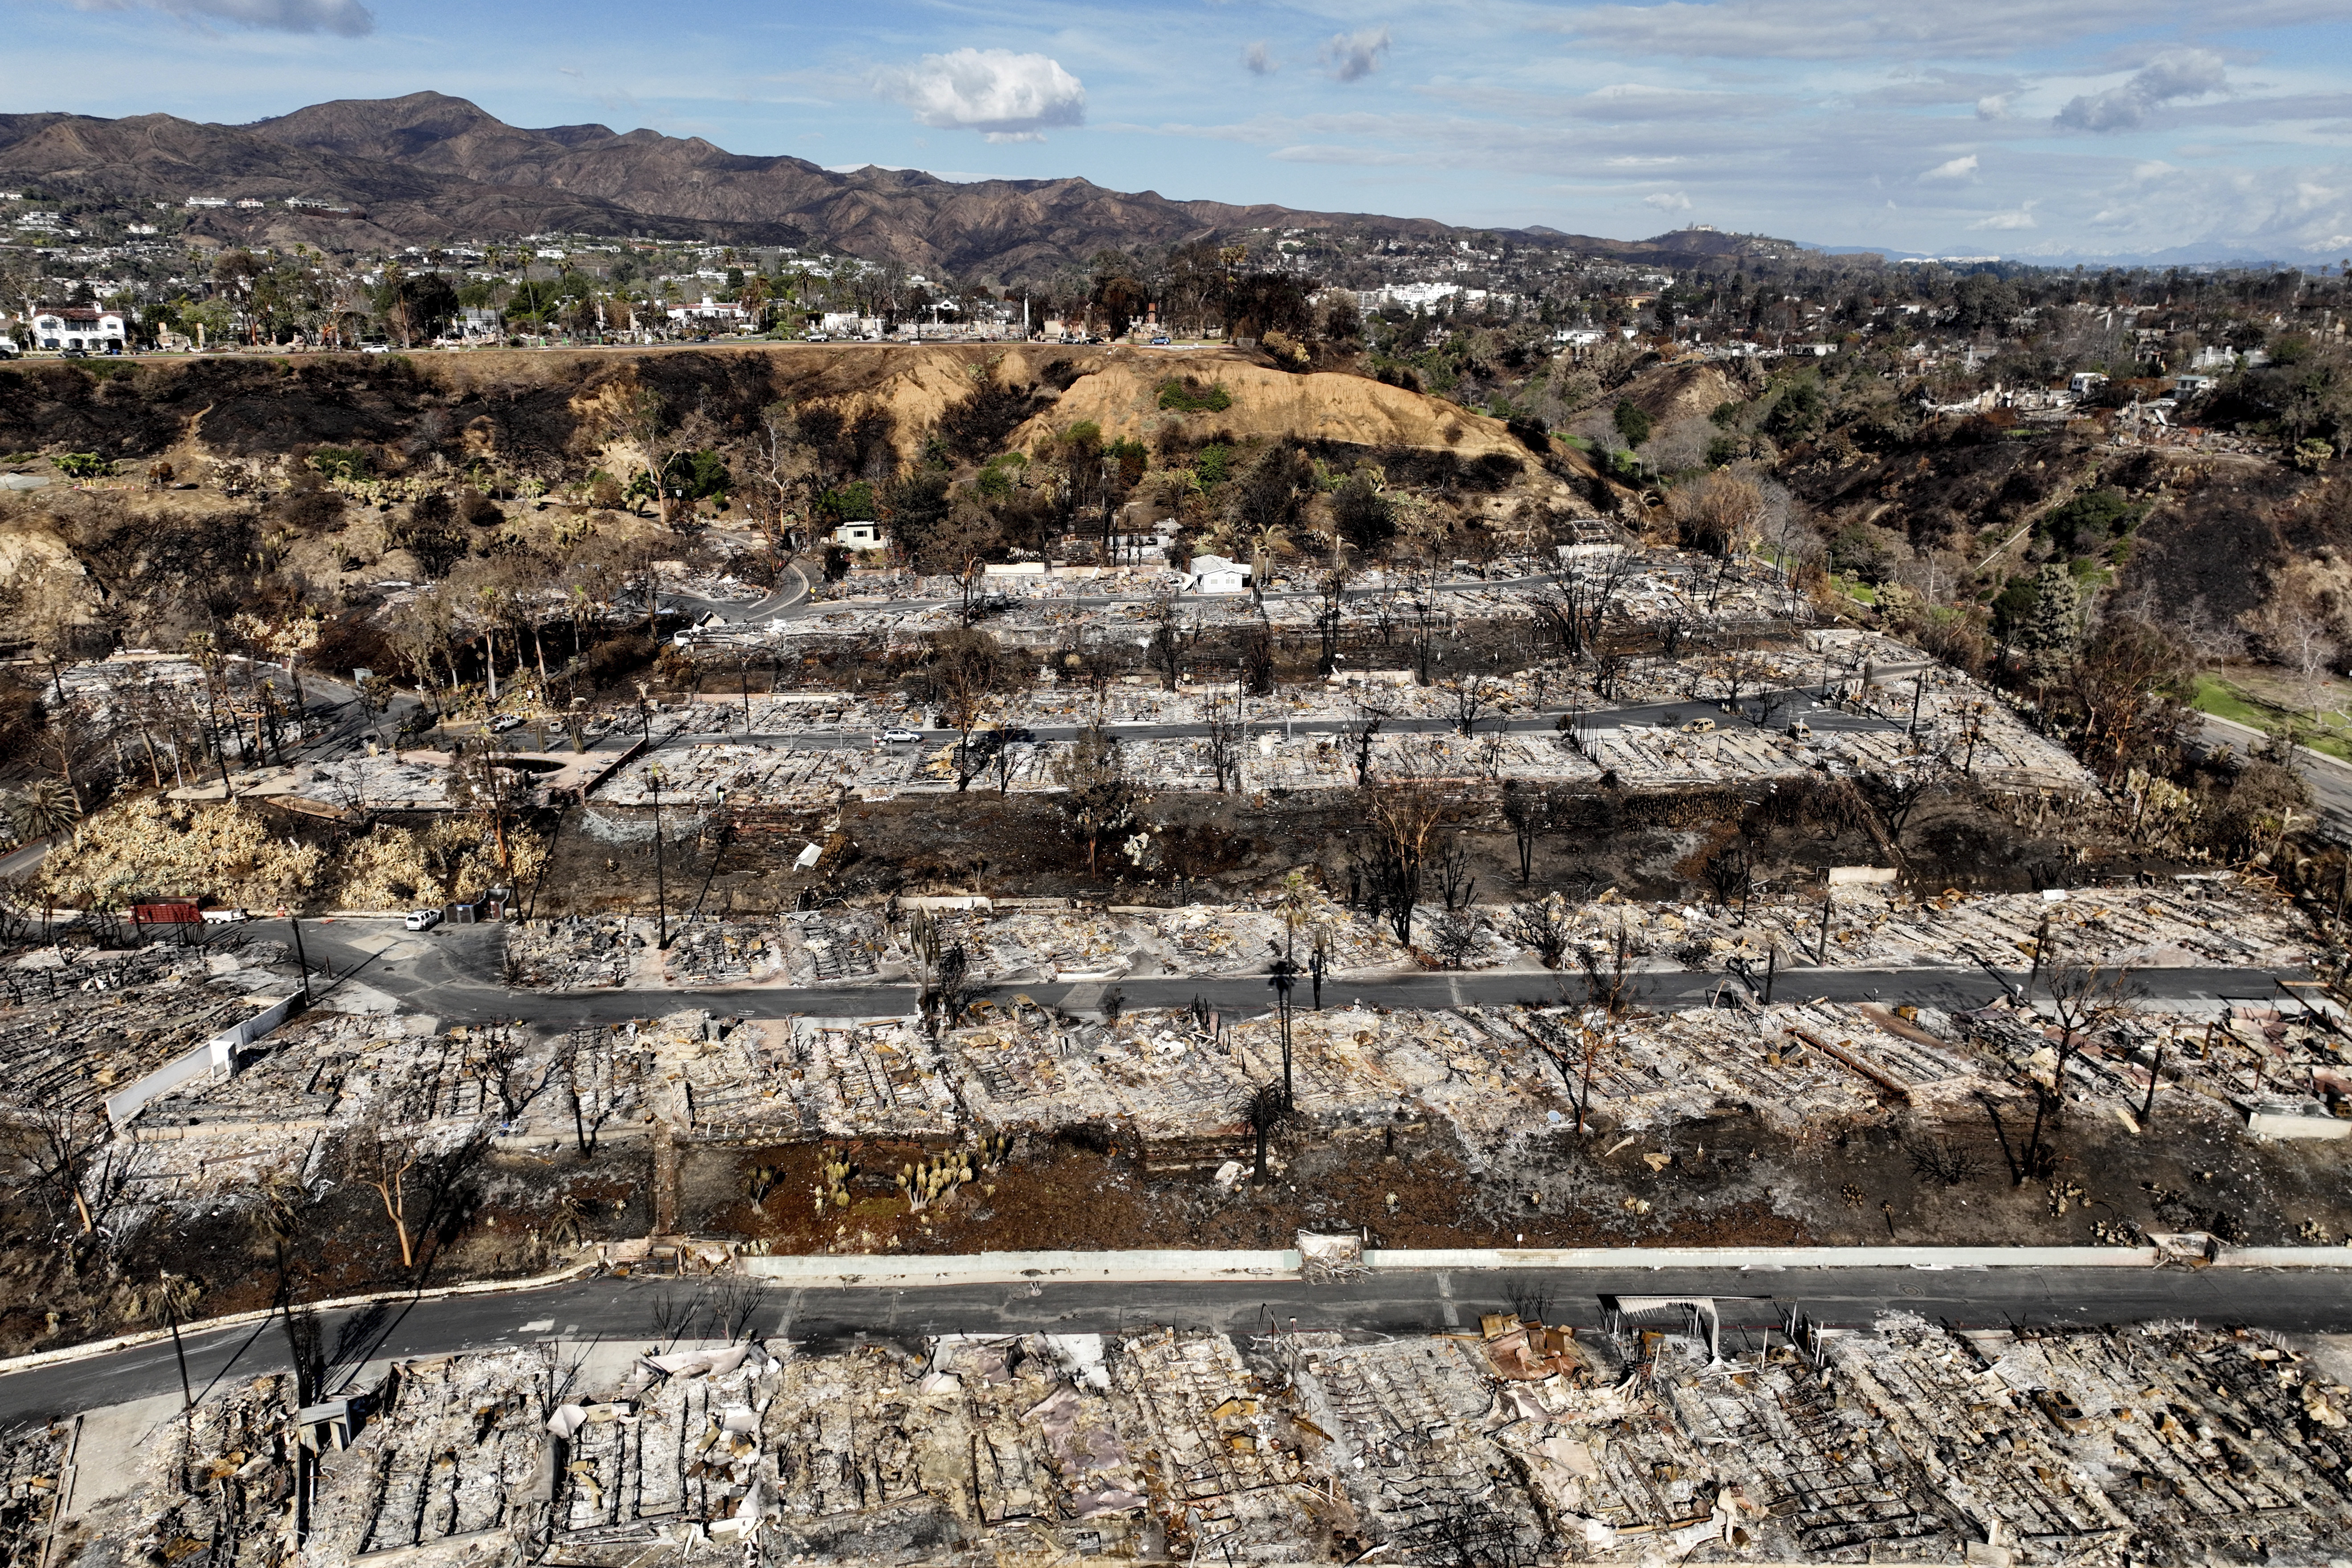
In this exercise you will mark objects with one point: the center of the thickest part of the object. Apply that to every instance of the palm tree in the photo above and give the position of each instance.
(1262, 1107)
(41, 808)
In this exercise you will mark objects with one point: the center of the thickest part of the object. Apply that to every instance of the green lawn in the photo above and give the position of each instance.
(2224, 701)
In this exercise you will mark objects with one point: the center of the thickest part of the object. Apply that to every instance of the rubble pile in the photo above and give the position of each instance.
(2181, 1444)
(447, 1449)
(2186, 922)
(32, 1463)
(1229, 939)
(2251, 1055)
(392, 781)
(707, 952)
(751, 773)
(603, 1078)
(1053, 945)
(1640, 757)
(829, 946)
(1232, 1484)
(1409, 1436)
(573, 953)
(733, 1080)
(1032, 1072)
(857, 1078)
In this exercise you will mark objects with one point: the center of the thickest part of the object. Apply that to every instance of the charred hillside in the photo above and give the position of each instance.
(430, 169)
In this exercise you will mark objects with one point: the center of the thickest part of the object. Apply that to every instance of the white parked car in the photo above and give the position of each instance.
(901, 732)
(505, 721)
(422, 920)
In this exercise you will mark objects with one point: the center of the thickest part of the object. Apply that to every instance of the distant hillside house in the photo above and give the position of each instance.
(1216, 574)
(860, 536)
(207, 201)
(79, 327)
(710, 313)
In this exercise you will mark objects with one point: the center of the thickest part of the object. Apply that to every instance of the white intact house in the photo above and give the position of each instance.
(1215, 574)
(85, 327)
(710, 313)
(859, 536)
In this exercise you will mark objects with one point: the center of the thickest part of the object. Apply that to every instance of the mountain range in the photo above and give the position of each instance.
(431, 169)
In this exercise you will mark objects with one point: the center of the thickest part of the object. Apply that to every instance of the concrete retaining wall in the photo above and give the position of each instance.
(125, 1103)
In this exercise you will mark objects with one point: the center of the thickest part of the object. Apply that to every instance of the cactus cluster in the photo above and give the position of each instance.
(832, 1188)
(939, 1175)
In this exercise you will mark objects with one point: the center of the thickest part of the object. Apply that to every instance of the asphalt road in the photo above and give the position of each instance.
(626, 1310)
(453, 974)
(2329, 781)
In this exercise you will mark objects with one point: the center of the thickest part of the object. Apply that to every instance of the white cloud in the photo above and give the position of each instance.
(1003, 96)
(1354, 56)
(1994, 106)
(2184, 73)
(1668, 202)
(1259, 60)
(1962, 168)
(1314, 152)
(1862, 29)
(2023, 217)
(347, 18)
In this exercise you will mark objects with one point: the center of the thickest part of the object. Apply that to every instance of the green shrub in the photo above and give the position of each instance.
(850, 503)
(343, 462)
(1189, 397)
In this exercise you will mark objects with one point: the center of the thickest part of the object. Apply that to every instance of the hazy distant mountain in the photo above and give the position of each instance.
(430, 168)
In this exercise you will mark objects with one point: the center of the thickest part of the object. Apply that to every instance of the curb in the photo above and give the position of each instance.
(1776, 1258)
(1020, 1267)
(66, 1354)
(869, 1270)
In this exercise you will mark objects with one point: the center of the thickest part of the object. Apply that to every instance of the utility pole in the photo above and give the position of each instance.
(300, 960)
(1822, 955)
(661, 886)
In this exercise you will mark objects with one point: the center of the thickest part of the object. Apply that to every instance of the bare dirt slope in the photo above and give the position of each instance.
(1121, 394)
(1686, 389)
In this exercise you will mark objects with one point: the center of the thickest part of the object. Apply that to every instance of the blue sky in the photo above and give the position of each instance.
(2033, 128)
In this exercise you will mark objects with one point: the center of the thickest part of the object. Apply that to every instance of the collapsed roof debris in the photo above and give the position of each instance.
(1903, 1442)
